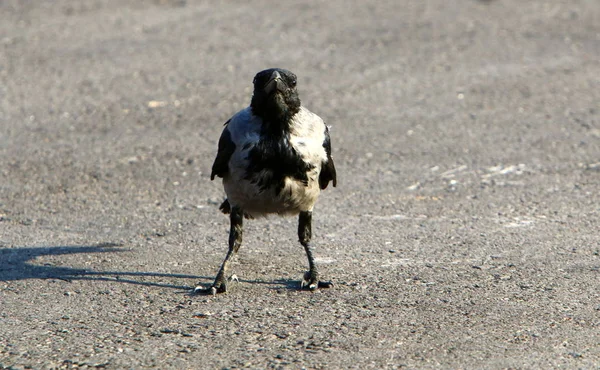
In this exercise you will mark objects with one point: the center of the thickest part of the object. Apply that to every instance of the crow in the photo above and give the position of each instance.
(274, 158)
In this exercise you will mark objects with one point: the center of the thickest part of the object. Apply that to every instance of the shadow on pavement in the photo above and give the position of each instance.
(16, 264)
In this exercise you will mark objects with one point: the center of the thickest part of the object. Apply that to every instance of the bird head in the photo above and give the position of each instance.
(275, 98)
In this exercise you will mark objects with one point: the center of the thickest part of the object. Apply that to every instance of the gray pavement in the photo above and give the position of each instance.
(463, 232)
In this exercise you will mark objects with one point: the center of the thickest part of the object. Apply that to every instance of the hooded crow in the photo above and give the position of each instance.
(275, 158)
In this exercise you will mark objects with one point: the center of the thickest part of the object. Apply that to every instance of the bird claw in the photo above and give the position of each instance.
(311, 281)
(305, 284)
(325, 284)
(219, 286)
(212, 290)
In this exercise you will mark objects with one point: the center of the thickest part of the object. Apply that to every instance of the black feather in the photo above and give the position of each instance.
(225, 207)
(273, 159)
(328, 168)
(226, 148)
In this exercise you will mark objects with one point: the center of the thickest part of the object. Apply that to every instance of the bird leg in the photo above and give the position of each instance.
(236, 230)
(311, 277)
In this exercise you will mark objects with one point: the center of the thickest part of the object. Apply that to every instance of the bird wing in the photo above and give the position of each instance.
(327, 168)
(226, 148)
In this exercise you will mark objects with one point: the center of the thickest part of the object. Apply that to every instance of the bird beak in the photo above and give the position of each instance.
(276, 82)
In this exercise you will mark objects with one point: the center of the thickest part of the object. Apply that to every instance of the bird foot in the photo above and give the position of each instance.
(311, 281)
(212, 290)
(217, 287)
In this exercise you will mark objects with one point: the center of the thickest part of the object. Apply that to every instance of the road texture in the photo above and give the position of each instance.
(464, 231)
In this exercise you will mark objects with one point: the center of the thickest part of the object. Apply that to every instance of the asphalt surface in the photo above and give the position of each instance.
(464, 231)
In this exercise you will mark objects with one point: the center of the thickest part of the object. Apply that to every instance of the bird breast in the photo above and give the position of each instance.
(259, 195)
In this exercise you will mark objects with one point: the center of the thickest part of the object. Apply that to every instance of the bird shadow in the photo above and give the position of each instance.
(17, 264)
(288, 284)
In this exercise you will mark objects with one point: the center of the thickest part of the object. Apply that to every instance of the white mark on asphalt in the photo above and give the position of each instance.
(453, 172)
(502, 170)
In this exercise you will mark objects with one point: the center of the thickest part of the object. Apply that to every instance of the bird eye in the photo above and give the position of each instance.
(293, 82)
